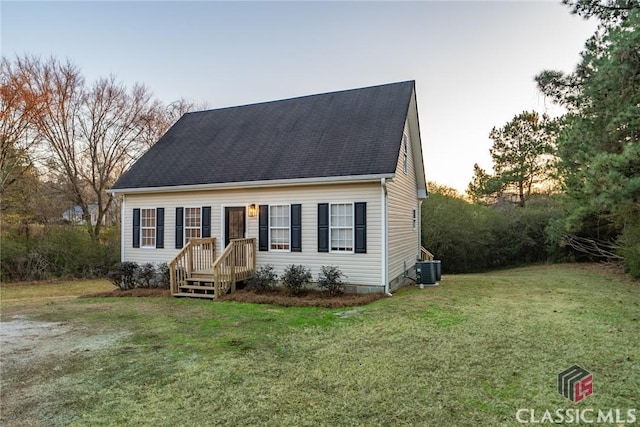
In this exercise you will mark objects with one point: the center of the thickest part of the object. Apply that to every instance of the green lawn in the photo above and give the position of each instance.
(468, 353)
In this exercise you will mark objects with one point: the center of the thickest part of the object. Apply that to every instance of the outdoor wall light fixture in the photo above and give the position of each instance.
(253, 210)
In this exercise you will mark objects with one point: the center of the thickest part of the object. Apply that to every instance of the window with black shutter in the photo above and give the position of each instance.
(280, 228)
(342, 227)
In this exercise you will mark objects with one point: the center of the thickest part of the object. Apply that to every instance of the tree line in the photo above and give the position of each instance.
(65, 141)
(583, 168)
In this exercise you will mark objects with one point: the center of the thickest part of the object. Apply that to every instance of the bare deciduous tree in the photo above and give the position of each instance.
(16, 112)
(86, 135)
(92, 133)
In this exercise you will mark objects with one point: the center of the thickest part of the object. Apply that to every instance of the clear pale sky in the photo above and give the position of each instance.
(473, 62)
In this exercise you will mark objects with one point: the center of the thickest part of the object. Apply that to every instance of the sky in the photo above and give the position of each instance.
(473, 62)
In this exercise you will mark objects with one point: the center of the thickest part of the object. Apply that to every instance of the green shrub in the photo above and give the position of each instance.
(145, 275)
(56, 251)
(13, 259)
(296, 278)
(458, 233)
(129, 275)
(123, 275)
(264, 279)
(469, 237)
(162, 278)
(32, 266)
(330, 280)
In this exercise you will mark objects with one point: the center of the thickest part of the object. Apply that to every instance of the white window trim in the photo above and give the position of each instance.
(353, 228)
(154, 228)
(415, 218)
(279, 228)
(405, 150)
(184, 222)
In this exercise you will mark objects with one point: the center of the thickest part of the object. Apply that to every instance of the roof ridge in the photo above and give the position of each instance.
(296, 98)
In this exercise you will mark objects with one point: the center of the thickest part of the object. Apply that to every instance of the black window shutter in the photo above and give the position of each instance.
(179, 228)
(361, 227)
(159, 228)
(136, 228)
(323, 227)
(296, 228)
(263, 228)
(206, 221)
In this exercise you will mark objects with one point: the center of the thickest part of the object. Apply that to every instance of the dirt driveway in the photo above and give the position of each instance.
(33, 355)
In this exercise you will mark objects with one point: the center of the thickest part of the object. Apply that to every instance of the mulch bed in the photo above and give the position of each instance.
(310, 299)
(279, 297)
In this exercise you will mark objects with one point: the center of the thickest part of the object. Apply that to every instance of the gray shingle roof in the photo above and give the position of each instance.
(346, 133)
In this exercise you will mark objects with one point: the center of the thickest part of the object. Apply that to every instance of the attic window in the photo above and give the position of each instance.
(405, 158)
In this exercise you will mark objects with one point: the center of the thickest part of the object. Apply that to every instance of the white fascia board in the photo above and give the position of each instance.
(416, 146)
(350, 179)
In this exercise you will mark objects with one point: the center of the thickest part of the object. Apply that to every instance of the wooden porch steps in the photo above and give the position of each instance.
(193, 295)
(203, 288)
(208, 279)
(197, 287)
(196, 272)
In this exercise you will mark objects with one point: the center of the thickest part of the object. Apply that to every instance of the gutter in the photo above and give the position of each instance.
(385, 237)
(348, 179)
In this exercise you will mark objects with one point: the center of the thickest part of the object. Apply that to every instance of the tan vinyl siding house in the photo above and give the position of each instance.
(331, 179)
(360, 269)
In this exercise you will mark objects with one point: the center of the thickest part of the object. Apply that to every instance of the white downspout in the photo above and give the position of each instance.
(419, 256)
(385, 237)
(122, 216)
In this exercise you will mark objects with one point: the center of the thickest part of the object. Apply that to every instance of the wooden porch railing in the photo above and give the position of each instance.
(196, 255)
(425, 255)
(237, 262)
